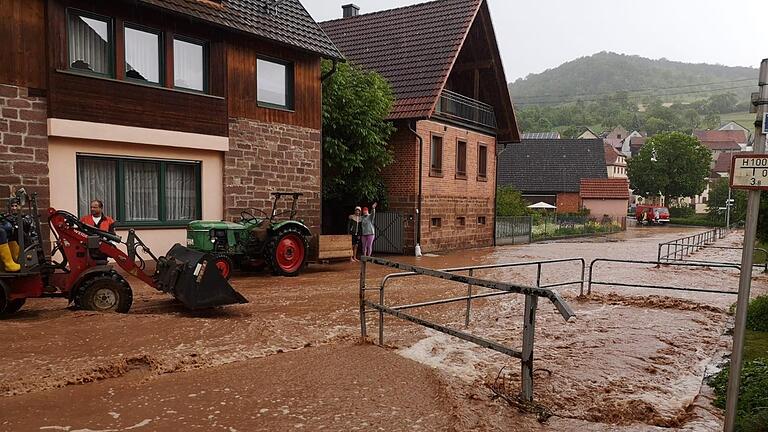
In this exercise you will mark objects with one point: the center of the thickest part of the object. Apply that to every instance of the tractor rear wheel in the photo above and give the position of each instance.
(14, 306)
(224, 264)
(287, 252)
(106, 292)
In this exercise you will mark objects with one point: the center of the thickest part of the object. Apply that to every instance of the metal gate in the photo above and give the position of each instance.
(390, 233)
(513, 230)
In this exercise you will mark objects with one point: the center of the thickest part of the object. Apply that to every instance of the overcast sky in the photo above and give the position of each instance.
(535, 35)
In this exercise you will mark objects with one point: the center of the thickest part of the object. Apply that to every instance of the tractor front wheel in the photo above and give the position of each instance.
(108, 292)
(225, 265)
(287, 252)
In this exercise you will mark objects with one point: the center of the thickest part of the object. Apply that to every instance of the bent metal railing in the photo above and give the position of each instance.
(532, 294)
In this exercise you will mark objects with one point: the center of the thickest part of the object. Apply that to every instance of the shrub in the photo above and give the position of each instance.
(681, 212)
(752, 411)
(757, 314)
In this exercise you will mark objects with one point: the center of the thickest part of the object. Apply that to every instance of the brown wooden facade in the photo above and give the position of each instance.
(37, 57)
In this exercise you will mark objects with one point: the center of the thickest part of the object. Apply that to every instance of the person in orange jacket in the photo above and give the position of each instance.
(98, 219)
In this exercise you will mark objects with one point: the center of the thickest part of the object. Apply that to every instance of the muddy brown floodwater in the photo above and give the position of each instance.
(632, 359)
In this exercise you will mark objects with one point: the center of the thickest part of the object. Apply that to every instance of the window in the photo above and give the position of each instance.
(461, 159)
(481, 220)
(190, 65)
(461, 221)
(482, 162)
(436, 222)
(143, 54)
(90, 42)
(139, 191)
(436, 156)
(274, 81)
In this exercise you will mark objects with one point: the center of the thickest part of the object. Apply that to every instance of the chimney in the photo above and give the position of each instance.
(350, 10)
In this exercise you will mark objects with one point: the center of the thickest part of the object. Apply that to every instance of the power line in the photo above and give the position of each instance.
(636, 90)
(563, 101)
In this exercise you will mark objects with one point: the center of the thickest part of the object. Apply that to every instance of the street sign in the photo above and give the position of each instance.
(749, 171)
(765, 124)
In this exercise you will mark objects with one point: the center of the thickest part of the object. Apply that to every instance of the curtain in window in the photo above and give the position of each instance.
(188, 65)
(181, 192)
(141, 191)
(89, 44)
(142, 55)
(96, 179)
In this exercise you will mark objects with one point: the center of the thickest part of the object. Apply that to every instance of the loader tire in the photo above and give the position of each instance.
(106, 292)
(287, 252)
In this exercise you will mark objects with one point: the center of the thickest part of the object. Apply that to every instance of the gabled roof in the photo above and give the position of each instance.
(738, 136)
(591, 132)
(609, 188)
(551, 166)
(635, 144)
(286, 22)
(614, 142)
(413, 47)
(612, 155)
(721, 145)
(541, 135)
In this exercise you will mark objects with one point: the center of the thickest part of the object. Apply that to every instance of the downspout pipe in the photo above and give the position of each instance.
(330, 73)
(412, 128)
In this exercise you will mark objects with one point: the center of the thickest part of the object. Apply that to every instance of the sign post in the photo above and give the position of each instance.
(747, 172)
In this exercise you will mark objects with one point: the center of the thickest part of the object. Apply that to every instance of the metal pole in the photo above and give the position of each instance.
(469, 300)
(529, 328)
(745, 281)
(381, 316)
(728, 209)
(363, 332)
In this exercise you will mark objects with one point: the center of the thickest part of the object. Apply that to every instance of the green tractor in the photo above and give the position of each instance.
(255, 242)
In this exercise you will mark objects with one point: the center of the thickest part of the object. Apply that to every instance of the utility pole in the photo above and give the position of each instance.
(745, 280)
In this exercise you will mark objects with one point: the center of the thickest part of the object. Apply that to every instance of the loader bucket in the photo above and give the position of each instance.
(187, 275)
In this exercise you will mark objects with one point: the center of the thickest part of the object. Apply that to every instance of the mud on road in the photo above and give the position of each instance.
(632, 359)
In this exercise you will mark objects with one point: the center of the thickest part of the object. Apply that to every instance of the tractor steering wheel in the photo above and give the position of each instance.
(246, 216)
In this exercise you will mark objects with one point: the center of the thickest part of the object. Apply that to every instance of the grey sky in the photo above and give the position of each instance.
(535, 35)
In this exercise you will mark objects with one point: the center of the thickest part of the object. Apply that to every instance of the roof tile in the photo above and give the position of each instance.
(609, 188)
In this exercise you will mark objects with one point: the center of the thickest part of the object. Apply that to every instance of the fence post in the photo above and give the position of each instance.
(363, 332)
(381, 315)
(530, 229)
(526, 362)
(469, 300)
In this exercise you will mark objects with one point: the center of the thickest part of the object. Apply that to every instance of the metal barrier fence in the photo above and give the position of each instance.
(531, 293)
(688, 245)
(514, 229)
(676, 250)
(656, 264)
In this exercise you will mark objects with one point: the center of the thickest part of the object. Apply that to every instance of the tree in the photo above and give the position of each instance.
(510, 202)
(355, 135)
(718, 195)
(671, 164)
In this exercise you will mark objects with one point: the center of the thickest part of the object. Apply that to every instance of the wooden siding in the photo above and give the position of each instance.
(78, 96)
(241, 59)
(22, 32)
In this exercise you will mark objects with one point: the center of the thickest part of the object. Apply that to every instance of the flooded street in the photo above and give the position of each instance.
(631, 359)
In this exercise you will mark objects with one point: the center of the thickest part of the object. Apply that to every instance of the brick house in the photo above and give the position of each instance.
(551, 170)
(452, 110)
(167, 110)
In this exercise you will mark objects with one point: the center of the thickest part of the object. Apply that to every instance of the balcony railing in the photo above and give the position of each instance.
(467, 110)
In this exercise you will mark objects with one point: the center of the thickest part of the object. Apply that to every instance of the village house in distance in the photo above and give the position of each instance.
(167, 110)
(452, 113)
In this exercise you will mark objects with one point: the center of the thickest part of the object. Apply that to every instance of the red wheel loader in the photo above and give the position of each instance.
(85, 277)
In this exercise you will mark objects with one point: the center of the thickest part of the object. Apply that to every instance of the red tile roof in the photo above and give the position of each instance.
(413, 47)
(738, 136)
(610, 188)
(723, 163)
(721, 145)
(611, 154)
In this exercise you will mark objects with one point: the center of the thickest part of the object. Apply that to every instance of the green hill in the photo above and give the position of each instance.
(605, 73)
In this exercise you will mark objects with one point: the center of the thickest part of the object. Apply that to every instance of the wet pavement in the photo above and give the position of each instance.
(632, 359)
